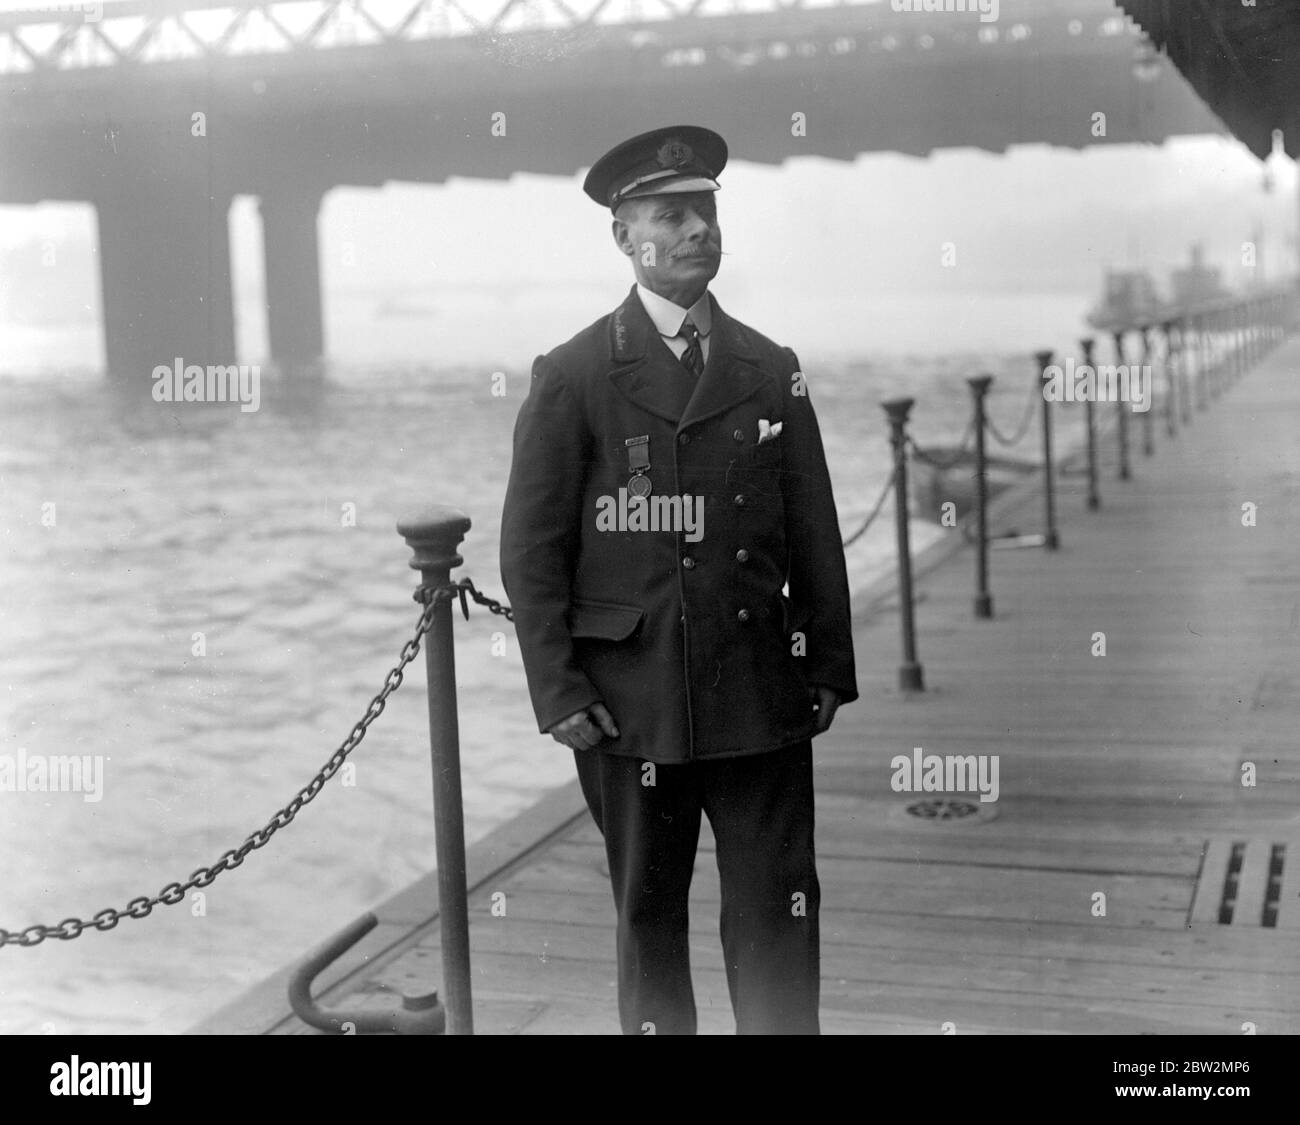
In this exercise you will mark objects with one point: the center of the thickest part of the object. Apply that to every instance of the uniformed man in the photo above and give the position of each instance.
(671, 549)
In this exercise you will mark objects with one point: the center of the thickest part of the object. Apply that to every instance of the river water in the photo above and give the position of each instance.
(129, 531)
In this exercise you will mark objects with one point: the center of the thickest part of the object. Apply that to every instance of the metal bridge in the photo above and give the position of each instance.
(159, 112)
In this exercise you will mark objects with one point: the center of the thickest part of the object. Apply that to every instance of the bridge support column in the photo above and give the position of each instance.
(164, 250)
(293, 290)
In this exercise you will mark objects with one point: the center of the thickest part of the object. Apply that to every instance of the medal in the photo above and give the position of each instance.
(638, 464)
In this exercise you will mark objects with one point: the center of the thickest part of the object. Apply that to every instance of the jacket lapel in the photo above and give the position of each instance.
(731, 374)
(645, 370)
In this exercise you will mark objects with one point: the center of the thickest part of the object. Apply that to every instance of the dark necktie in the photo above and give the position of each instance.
(693, 357)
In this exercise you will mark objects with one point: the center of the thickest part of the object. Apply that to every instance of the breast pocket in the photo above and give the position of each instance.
(756, 473)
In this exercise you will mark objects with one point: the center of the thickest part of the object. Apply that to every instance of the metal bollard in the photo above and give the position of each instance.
(1050, 539)
(1121, 429)
(1094, 498)
(1148, 422)
(1238, 342)
(434, 535)
(979, 387)
(1185, 361)
(1171, 381)
(1202, 364)
(910, 677)
(1216, 354)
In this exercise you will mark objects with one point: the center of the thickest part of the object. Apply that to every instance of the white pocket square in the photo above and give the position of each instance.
(768, 430)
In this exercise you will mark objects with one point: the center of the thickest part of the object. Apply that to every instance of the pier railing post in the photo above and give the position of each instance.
(1094, 498)
(910, 677)
(434, 536)
(979, 387)
(1148, 372)
(1216, 353)
(1239, 344)
(1050, 539)
(1121, 428)
(1171, 380)
(1202, 362)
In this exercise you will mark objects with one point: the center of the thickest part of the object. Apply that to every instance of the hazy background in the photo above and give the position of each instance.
(835, 259)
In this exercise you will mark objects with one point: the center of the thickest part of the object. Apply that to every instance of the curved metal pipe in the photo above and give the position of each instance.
(416, 1015)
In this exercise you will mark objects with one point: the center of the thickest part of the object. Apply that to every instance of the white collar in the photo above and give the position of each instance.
(668, 317)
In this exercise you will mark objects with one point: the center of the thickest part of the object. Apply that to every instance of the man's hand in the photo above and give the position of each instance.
(585, 729)
(824, 700)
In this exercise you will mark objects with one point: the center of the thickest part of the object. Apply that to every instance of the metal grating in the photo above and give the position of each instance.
(1248, 883)
(949, 810)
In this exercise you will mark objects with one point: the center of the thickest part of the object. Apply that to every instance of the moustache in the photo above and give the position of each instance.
(707, 251)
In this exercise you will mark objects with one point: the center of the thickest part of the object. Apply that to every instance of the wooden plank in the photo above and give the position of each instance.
(917, 1001)
(1209, 887)
(1252, 885)
(1288, 903)
(1070, 979)
(938, 888)
(1210, 951)
(841, 838)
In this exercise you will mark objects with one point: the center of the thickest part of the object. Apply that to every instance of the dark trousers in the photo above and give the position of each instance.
(761, 810)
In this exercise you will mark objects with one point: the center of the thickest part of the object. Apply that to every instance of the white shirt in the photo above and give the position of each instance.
(667, 319)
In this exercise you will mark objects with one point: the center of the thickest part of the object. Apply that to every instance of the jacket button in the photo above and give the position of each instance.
(739, 435)
(742, 555)
(743, 615)
(688, 562)
(740, 500)
(683, 439)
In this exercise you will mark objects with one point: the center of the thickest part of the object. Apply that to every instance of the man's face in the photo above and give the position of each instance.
(674, 243)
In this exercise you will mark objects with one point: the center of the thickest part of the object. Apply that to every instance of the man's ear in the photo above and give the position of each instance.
(622, 237)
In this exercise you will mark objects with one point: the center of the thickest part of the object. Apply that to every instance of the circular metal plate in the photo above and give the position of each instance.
(945, 811)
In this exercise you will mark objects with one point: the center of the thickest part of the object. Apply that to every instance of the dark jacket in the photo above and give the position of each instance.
(689, 644)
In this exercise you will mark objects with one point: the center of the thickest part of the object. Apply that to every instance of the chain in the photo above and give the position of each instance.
(173, 893)
(875, 511)
(460, 589)
(1023, 428)
(945, 462)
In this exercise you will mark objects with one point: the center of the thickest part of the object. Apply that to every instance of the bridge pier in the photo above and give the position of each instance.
(164, 250)
(291, 246)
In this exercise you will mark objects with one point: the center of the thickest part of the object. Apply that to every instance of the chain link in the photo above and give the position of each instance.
(875, 511)
(1023, 427)
(431, 597)
(461, 589)
(942, 463)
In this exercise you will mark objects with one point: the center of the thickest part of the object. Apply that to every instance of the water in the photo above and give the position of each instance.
(168, 523)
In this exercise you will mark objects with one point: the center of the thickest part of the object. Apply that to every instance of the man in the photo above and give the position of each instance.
(668, 482)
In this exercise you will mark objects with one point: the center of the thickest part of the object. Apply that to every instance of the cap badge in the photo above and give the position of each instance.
(674, 153)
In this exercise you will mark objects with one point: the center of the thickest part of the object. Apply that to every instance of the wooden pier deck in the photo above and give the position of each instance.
(1120, 775)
